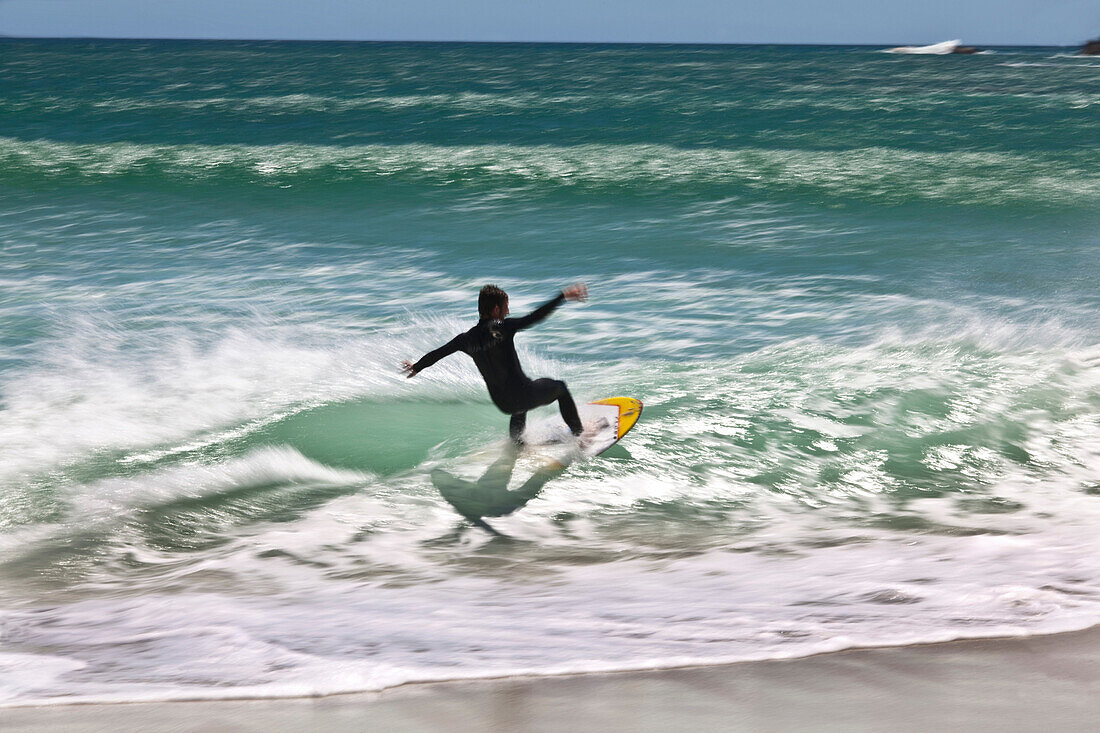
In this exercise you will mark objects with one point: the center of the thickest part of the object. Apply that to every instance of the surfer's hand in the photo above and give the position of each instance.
(578, 291)
(408, 369)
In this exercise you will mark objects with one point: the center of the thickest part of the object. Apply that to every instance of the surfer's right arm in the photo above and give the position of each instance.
(411, 370)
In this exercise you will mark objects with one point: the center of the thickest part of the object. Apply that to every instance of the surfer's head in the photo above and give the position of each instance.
(492, 303)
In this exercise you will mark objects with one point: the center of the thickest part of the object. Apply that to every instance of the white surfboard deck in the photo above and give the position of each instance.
(601, 430)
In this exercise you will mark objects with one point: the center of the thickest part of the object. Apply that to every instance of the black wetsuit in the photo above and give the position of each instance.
(490, 344)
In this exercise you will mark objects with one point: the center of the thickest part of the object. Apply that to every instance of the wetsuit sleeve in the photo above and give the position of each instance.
(445, 350)
(518, 324)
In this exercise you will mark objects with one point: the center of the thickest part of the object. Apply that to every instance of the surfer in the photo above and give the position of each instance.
(490, 344)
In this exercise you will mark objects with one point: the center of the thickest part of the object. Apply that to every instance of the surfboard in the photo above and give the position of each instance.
(605, 423)
(552, 448)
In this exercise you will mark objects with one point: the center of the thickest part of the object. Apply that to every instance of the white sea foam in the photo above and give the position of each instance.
(112, 498)
(876, 173)
(683, 556)
(713, 608)
(96, 392)
(23, 673)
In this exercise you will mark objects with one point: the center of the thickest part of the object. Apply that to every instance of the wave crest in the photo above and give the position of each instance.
(878, 174)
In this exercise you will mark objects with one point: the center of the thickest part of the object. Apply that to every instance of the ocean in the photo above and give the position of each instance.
(857, 292)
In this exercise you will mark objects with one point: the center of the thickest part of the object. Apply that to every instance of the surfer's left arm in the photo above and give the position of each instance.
(578, 292)
(411, 370)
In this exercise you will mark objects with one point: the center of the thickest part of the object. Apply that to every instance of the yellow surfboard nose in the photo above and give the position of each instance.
(630, 410)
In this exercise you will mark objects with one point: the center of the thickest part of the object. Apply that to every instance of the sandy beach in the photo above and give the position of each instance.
(1021, 684)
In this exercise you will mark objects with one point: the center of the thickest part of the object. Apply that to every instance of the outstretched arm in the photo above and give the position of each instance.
(579, 291)
(411, 370)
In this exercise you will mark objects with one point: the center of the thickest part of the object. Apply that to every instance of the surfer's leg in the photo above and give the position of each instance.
(545, 391)
(569, 411)
(516, 427)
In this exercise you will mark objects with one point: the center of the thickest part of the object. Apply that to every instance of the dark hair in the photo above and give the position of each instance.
(490, 297)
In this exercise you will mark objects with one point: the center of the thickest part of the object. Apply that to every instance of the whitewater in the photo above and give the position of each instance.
(856, 291)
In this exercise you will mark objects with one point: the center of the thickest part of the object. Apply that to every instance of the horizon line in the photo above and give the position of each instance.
(498, 42)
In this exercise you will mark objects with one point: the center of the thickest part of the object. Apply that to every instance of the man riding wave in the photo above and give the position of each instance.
(491, 345)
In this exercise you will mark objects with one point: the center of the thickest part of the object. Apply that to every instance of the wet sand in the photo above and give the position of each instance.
(1022, 684)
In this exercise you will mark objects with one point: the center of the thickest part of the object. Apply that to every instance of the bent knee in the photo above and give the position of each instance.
(559, 387)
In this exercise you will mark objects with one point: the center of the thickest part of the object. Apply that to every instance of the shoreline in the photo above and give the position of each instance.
(1000, 683)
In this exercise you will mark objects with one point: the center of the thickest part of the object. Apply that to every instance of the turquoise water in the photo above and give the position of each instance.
(856, 291)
